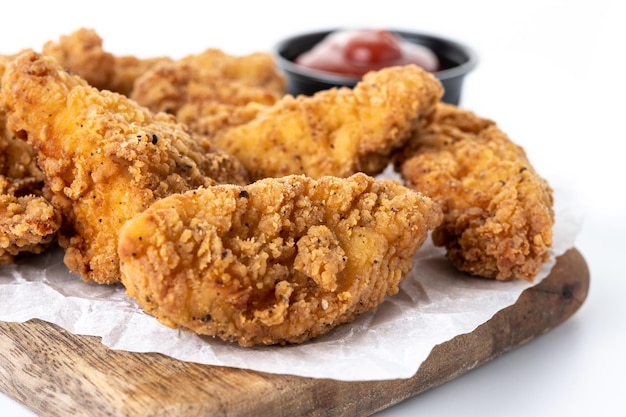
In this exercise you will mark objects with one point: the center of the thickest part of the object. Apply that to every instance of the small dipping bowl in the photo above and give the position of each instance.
(455, 59)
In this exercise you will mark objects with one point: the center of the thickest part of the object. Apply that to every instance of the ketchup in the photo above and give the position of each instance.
(355, 52)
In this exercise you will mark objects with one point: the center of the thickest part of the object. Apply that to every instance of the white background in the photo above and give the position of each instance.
(551, 73)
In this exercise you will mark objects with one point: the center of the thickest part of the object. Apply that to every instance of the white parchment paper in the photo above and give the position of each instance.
(435, 304)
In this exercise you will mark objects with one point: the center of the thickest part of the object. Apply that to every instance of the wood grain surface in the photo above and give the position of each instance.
(56, 373)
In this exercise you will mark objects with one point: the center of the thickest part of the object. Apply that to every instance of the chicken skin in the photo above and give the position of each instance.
(279, 261)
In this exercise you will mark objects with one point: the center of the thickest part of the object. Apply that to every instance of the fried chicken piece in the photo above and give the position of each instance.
(17, 158)
(105, 158)
(279, 261)
(338, 131)
(28, 223)
(212, 90)
(82, 53)
(498, 211)
(129, 68)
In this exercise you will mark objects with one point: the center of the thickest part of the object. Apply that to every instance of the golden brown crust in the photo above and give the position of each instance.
(105, 158)
(498, 209)
(278, 261)
(211, 90)
(17, 158)
(82, 53)
(336, 132)
(129, 68)
(28, 223)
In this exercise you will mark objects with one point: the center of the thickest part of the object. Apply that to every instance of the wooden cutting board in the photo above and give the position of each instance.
(56, 373)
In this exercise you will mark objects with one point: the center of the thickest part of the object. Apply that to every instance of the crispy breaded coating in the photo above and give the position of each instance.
(28, 223)
(105, 158)
(129, 68)
(498, 211)
(211, 90)
(279, 261)
(338, 131)
(17, 158)
(82, 53)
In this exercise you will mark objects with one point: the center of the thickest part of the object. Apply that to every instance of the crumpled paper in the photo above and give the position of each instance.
(435, 304)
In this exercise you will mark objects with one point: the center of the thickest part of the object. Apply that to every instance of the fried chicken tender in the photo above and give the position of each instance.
(82, 53)
(17, 158)
(28, 223)
(279, 261)
(212, 90)
(336, 132)
(498, 211)
(129, 68)
(105, 158)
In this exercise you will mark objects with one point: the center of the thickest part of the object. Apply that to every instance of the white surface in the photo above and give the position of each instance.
(551, 75)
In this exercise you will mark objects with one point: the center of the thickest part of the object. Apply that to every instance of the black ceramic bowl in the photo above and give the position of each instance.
(456, 61)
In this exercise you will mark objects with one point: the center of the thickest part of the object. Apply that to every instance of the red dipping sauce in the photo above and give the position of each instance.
(354, 52)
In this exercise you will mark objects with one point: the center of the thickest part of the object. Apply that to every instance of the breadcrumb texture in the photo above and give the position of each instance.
(498, 210)
(18, 159)
(82, 53)
(336, 132)
(278, 261)
(213, 90)
(105, 158)
(28, 223)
